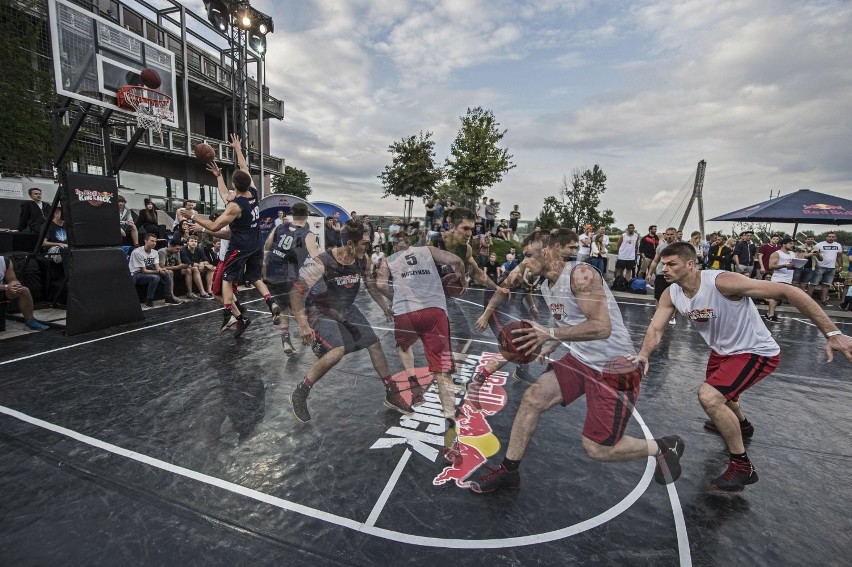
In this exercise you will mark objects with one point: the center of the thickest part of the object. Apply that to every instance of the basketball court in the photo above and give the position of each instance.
(167, 442)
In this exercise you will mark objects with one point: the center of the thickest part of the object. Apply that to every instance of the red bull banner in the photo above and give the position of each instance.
(423, 432)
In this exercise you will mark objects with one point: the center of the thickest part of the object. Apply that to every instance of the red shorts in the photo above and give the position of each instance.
(609, 397)
(433, 328)
(734, 374)
(216, 288)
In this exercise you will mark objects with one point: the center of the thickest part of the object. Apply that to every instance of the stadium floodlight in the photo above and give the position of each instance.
(217, 14)
(257, 43)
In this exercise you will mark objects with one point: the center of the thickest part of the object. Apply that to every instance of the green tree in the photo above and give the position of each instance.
(294, 182)
(476, 160)
(412, 172)
(548, 218)
(26, 143)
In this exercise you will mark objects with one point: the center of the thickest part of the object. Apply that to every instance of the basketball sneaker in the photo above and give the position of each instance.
(319, 347)
(738, 475)
(276, 314)
(747, 431)
(522, 373)
(394, 401)
(299, 400)
(242, 325)
(495, 479)
(228, 320)
(289, 350)
(416, 390)
(668, 461)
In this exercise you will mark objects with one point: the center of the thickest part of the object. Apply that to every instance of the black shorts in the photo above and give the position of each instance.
(243, 261)
(660, 285)
(625, 264)
(334, 334)
(280, 292)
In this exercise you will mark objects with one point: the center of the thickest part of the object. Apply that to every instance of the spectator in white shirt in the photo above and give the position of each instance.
(145, 269)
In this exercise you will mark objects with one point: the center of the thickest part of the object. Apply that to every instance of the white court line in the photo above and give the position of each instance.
(383, 497)
(363, 527)
(803, 321)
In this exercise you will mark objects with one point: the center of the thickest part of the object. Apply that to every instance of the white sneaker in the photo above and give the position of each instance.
(672, 321)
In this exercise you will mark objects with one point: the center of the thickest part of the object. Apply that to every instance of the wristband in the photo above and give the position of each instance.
(552, 334)
(830, 334)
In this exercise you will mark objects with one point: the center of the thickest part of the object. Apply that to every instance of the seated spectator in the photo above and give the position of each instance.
(186, 210)
(503, 230)
(33, 212)
(492, 267)
(199, 270)
(11, 288)
(182, 231)
(170, 260)
(148, 221)
(56, 241)
(377, 258)
(507, 266)
(145, 269)
(125, 222)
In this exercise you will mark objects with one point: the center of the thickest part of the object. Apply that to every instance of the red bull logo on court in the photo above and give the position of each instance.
(423, 431)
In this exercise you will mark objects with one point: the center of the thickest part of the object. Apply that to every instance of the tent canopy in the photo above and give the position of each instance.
(270, 205)
(329, 208)
(803, 206)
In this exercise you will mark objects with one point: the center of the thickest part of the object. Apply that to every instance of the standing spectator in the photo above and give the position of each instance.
(148, 220)
(379, 238)
(647, 250)
(765, 252)
(371, 229)
(680, 236)
(490, 215)
(492, 267)
(597, 256)
(332, 236)
(625, 261)
(393, 233)
(33, 212)
(125, 222)
(585, 244)
(439, 213)
(781, 267)
(145, 269)
(430, 211)
(828, 262)
(514, 217)
(484, 248)
(696, 242)
(376, 258)
(280, 219)
(11, 288)
(480, 212)
(660, 282)
(602, 231)
(353, 215)
(200, 270)
(448, 210)
(435, 231)
(744, 253)
(719, 255)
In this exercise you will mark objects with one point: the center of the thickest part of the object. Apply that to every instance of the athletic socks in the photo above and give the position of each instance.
(744, 424)
(511, 465)
(741, 458)
(307, 383)
(661, 447)
(268, 299)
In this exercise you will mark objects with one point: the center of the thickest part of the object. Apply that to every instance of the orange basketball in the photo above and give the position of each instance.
(452, 285)
(150, 78)
(205, 152)
(506, 344)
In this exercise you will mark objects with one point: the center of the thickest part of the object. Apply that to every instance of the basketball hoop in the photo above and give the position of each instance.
(151, 106)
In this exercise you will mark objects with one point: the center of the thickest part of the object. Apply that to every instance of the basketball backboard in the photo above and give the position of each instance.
(93, 57)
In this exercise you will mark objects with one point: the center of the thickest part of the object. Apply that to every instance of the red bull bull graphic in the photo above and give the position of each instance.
(823, 209)
(424, 431)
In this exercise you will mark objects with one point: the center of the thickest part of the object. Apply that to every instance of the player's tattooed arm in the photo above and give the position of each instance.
(588, 287)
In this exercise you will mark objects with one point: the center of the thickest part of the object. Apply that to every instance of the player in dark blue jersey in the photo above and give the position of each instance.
(286, 250)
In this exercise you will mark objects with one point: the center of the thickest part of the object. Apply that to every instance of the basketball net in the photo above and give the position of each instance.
(151, 106)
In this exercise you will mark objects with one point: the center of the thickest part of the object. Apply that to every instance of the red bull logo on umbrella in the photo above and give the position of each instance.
(823, 209)
(423, 432)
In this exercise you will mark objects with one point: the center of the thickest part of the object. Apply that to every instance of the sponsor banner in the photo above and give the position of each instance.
(11, 190)
(90, 210)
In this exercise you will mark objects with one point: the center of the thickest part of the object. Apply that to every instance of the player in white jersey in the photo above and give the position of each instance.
(742, 350)
(781, 265)
(587, 318)
(420, 311)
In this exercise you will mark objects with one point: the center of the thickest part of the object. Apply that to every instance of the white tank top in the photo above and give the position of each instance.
(416, 281)
(223, 250)
(783, 275)
(627, 250)
(728, 327)
(566, 313)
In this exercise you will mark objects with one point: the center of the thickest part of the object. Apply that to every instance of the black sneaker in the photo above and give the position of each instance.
(495, 479)
(276, 314)
(173, 301)
(149, 303)
(228, 320)
(747, 431)
(522, 373)
(289, 350)
(242, 325)
(319, 347)
(416, 390)
(240, 307)
(737, 476)
(299, 400)
(668, 461)
(394, 401)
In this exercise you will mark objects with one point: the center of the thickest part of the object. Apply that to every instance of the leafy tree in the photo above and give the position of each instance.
(294, 182)
(27, 142)
(477, 162)
(412, 171)
(578, 202)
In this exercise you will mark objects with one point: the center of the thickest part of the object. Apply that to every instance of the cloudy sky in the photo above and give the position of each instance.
(762, 90)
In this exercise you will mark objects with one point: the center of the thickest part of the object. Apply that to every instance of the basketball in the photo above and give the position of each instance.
(205, 152)
(452, 285)
(151, 78)
(506, 343)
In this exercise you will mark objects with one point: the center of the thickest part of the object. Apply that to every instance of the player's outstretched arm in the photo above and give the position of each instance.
(224, 194)
(232, 211)
(733, 285)
(665, 311)
(236, 142)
